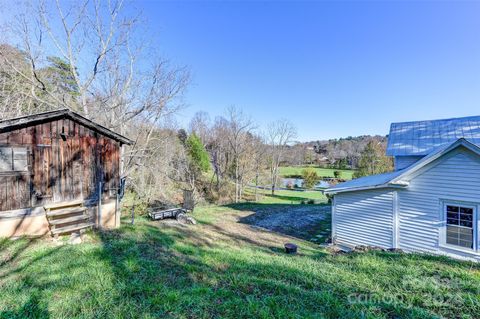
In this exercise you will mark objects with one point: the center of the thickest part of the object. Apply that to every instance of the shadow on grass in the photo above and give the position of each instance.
(309, 222)
(153, 270)
(180, 272)
(247, 206)
(292, 199)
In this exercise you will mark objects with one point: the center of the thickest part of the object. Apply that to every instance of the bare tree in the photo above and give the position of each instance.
(113, 74)
(279, 134)
(239, 126)
(200, 125)
(219, 149)
(259, 160)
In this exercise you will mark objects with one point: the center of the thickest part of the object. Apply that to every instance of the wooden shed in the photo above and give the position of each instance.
(58, 171)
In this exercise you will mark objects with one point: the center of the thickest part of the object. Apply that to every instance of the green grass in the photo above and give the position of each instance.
(297, 171)
(285, 196)
(221, 268)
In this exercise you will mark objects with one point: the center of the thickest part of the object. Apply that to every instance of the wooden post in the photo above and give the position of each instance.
(133, 213)
(117, 214)
(256, 186)
(99, 206)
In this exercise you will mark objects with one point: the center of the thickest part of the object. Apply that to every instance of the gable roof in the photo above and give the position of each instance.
(363, 183)
(18, 122)
(423, 137)
(395, 179)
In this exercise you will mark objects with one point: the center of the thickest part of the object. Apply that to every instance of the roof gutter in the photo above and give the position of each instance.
(401, 184)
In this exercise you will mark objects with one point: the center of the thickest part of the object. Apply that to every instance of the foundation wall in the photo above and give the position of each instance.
(108, 219)
(24, 226)
(33, 221)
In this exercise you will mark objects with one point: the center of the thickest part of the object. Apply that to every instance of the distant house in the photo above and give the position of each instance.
(59, 172)
(430, 203)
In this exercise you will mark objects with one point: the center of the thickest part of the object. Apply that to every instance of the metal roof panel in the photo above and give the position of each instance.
(423, 137)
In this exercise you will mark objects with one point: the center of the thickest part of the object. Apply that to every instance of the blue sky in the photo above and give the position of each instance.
(334, 68)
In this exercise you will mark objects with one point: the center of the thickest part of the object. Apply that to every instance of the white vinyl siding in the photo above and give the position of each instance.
(364, 218)
(454, 177)
(402, 162)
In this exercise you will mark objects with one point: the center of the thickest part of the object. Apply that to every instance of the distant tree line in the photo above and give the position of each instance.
(342, 153)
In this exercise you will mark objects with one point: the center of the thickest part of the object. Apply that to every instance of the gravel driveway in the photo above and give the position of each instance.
(311, 222)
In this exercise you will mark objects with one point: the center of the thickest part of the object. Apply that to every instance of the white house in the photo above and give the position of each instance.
(430, 203)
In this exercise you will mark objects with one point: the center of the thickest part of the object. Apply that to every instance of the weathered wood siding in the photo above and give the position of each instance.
(402, 162)
(364, 218)
(59, 170)
(454, 177)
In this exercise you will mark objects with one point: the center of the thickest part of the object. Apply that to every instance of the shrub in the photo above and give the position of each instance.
(329, 198)
(337, 174)
(310, 177)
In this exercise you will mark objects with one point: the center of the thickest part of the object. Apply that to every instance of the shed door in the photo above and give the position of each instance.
(70, 171)
(58, 174)
(43, 175)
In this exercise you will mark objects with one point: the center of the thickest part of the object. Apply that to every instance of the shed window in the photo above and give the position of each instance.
(460, 226)
(13, 159)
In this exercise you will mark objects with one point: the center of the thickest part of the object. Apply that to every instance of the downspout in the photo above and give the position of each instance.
(99, 205)
(395, 222)
(334, 232)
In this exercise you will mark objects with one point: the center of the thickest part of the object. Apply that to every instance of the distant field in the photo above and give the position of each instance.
(285, 196)
(297, 170)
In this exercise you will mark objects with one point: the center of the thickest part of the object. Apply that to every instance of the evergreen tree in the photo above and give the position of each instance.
(198, 155)
(60, 78)
(373, 160)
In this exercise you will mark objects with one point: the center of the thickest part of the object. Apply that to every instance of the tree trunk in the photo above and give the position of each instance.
(256, 187)
(236, 183)
(274, 181)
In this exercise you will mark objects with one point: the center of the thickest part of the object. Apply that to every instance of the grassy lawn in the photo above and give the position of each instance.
(224, 268)
(285, 196)
(297, 171)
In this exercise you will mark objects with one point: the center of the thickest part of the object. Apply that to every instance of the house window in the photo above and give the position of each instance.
(13, 159)
(460, 226)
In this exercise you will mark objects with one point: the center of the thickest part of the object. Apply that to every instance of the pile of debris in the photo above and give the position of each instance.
(186, 219)
(363, 248)
(337, 250)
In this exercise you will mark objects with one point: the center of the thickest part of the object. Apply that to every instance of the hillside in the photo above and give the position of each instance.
(339, 153)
